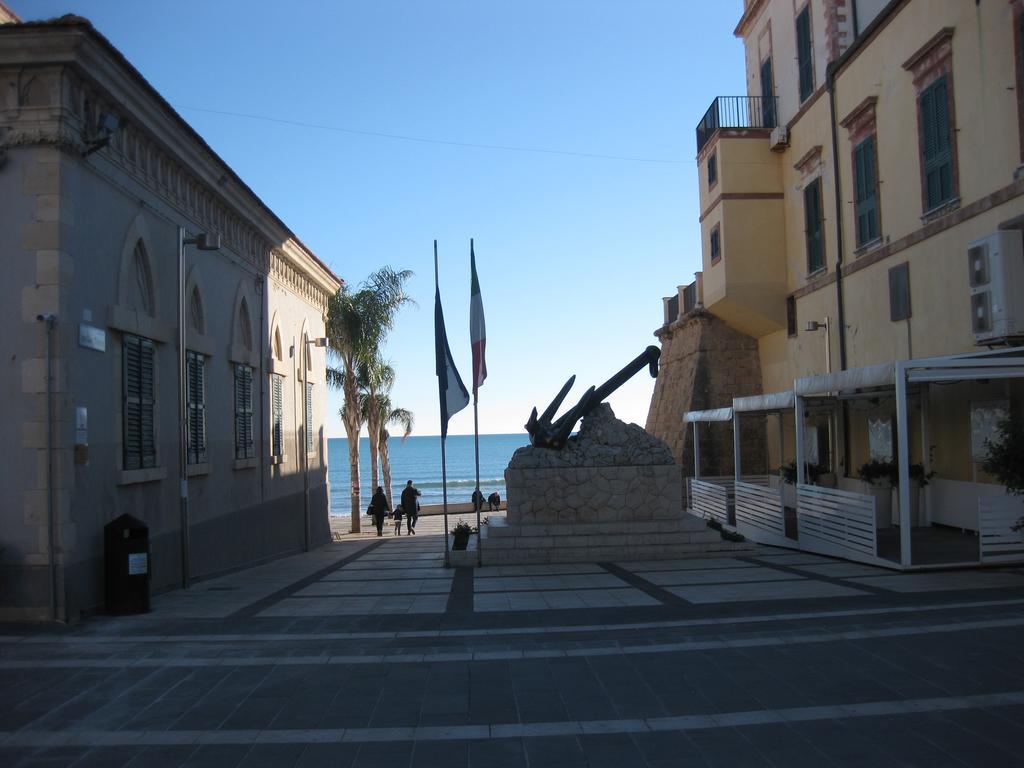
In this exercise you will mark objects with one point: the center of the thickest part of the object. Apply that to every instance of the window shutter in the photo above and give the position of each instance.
(812, 222)
(147, 400)
(309, 417)
(805, 64)
(767, 95)
(196, 409)
(936, 149)
(244, 448)
(132, 410)
(138, 402)
(866, 199)
(277, 405)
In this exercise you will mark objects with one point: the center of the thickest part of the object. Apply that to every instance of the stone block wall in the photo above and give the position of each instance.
(705, 364)
(593, 494)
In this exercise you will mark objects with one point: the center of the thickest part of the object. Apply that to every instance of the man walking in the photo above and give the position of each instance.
(411, 507)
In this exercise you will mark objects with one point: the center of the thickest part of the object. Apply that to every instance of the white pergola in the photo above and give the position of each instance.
(992, 364)
(890, 379)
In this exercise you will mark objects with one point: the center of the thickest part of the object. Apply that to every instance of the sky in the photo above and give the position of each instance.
(559, 134)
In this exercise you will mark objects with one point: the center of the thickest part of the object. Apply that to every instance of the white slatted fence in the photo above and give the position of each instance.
(831, 520)
(709, 500)
(996, 517)
(760, 507)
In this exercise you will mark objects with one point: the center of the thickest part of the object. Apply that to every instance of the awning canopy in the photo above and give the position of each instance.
(716, 414)
(868, 377)
(773, 401)
(990, 364)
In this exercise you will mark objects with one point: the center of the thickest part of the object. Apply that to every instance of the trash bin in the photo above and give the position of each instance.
(126, 557)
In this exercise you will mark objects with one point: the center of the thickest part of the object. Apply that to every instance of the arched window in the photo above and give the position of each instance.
(140, 296)
(277, 344)
(196, 317)
(244, 325)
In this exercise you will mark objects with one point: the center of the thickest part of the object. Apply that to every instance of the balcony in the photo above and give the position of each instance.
(736, 112)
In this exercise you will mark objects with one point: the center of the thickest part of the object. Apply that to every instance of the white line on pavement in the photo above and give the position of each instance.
(91, 738)
(819, 636)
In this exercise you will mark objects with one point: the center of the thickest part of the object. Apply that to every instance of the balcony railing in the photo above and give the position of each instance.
(736, 112)
(689, 298)
(673, 308)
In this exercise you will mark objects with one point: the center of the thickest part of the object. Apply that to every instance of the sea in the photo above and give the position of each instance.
(419, 459)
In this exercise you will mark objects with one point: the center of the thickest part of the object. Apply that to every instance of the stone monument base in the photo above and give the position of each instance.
(686, 536)
(613, 493)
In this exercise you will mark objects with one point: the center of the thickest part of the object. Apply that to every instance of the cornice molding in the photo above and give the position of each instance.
(65, 78)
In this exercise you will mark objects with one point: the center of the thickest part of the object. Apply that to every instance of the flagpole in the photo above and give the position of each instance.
(444, 470)
(477, 498)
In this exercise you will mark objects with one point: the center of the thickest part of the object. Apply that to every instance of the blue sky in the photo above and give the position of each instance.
(573, 252)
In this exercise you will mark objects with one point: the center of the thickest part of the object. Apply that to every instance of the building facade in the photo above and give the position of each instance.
(879, 145)
(98, 176)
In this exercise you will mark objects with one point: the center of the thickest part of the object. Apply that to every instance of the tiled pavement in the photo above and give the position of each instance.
(369, 653)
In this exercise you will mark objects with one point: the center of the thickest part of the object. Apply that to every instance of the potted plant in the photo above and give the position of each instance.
(877, 476)
(1005, 459)
(460, 535)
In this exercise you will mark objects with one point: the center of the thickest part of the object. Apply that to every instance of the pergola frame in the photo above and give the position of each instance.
(993, 364)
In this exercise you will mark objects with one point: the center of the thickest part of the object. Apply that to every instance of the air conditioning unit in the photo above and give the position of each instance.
(780, 139)
(996, 277)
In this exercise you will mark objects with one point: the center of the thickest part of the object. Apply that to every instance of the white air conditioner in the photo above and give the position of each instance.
(996, 277)
(780, 139)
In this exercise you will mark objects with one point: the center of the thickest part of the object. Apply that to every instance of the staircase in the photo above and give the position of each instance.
(685, 536)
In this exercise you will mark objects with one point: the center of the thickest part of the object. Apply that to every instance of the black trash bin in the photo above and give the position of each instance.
(126, 555)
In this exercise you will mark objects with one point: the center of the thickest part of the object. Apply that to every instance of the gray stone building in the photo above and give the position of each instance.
(98, 175)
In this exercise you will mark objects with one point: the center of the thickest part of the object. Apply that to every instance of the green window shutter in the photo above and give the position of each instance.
(147, 402)
(244, 445)
(813, 226)
(138, 403)
(805, 63)
(716, 244)
(866, 191)
(131, 415)
(196, 408)
(936, 149)
(767, 95)
(277, 415)
(309, 417)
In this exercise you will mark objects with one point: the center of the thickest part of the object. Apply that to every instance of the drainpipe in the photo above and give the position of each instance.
(50, 321)
(260, 283)
(830, 80)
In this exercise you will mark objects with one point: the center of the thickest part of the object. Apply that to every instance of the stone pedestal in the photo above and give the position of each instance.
(613, 493)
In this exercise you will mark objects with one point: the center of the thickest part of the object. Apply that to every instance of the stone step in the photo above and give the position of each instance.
(612, 553)
(596, 540)
(687, 523)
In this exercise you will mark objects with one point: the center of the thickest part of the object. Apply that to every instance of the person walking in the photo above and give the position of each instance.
(411, 507)
(379, 508)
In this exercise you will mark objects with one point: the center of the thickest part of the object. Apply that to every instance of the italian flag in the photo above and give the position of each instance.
(477, 332)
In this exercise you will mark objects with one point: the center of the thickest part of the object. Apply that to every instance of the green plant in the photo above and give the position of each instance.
(1005, 459)
(461, 529)
(811, 472)
(889, 471)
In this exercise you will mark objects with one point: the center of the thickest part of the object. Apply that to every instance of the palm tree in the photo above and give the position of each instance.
(388, 415)
(357, 324)
(375, 376)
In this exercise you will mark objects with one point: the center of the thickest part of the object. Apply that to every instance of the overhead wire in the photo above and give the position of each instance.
(424, 140)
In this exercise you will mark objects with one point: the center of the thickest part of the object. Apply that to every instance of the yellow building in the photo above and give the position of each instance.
(861, 215)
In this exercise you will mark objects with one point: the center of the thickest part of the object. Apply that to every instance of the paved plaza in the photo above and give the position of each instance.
(368, 652)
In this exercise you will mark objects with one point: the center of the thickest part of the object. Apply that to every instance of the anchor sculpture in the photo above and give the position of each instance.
(545, 434)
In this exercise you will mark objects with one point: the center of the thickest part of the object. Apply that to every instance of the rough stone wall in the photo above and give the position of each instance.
(705, 364)
(593, 494)
(609, 472)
